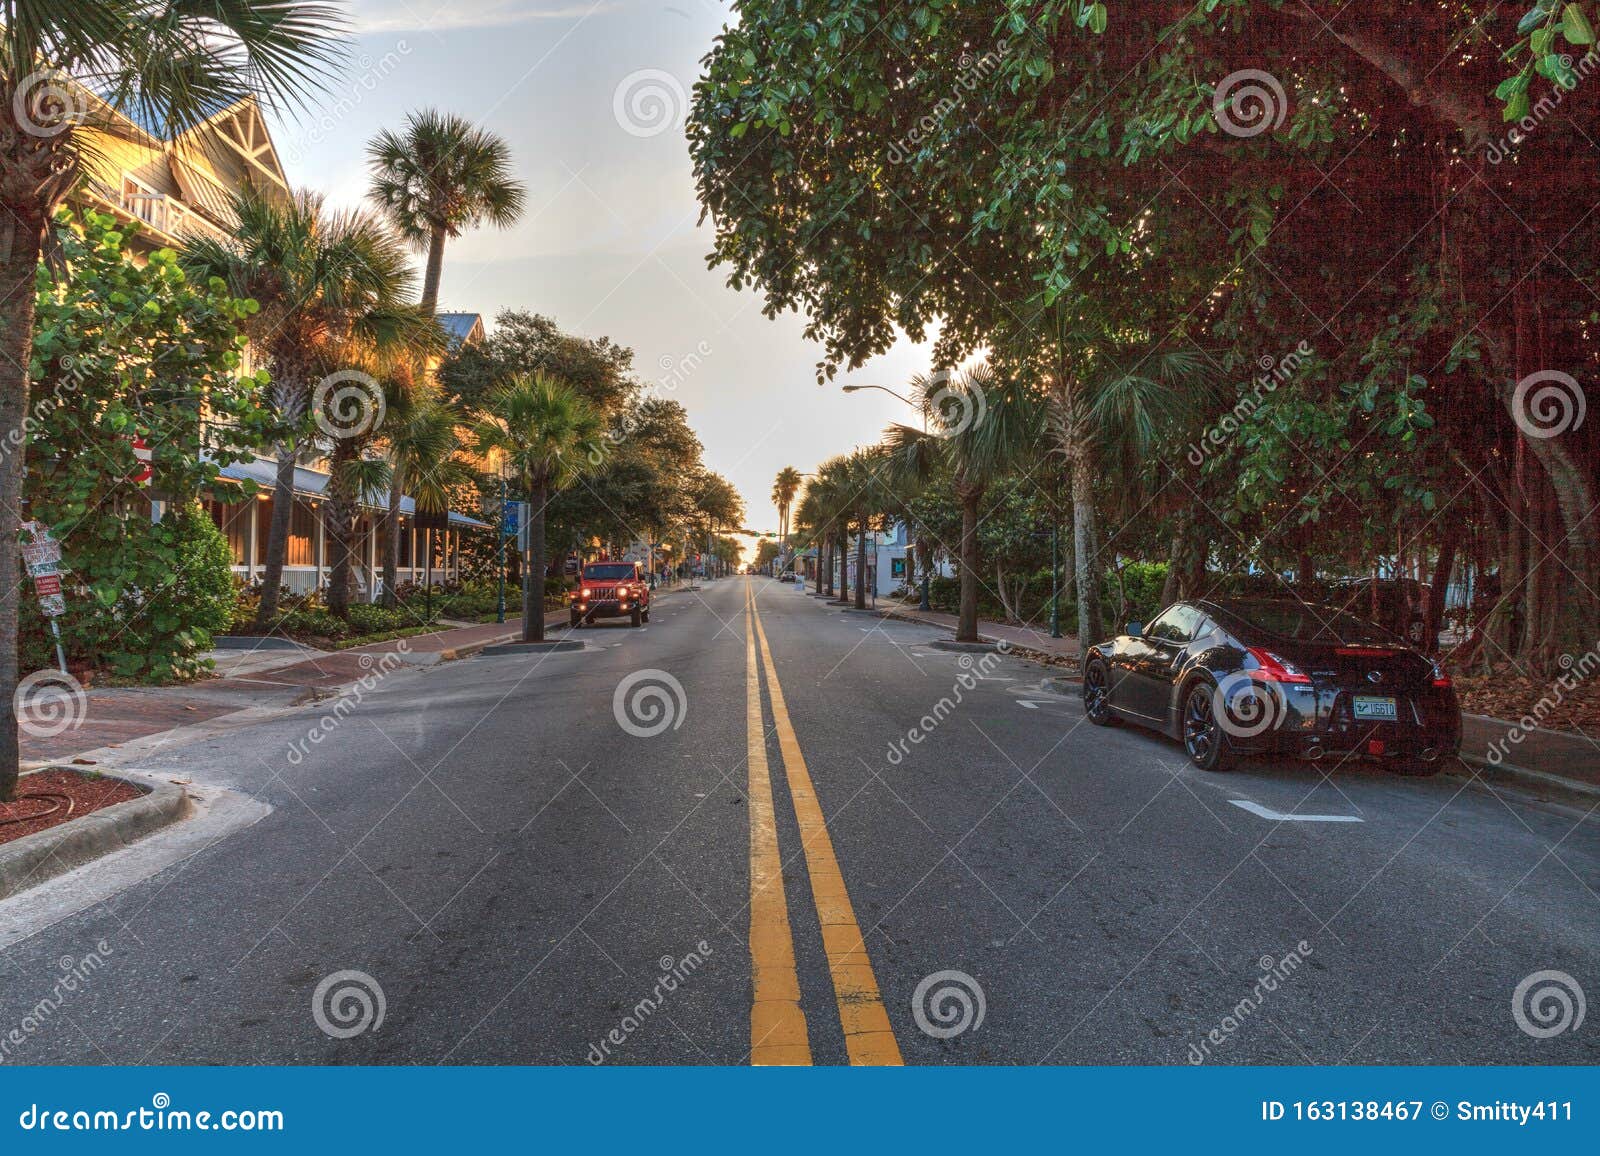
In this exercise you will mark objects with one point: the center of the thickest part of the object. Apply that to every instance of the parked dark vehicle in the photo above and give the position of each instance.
(1245, 676)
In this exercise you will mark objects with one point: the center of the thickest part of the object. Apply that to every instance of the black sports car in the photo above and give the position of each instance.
(1246, 676)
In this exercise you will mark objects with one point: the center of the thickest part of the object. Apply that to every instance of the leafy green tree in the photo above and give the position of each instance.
(129, 355)
(171, 63)
(550, 437)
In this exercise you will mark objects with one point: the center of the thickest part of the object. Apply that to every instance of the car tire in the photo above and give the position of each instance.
(1097, 694)
(647, 615)
(1204, 739)
(576, 621)
(635, 618)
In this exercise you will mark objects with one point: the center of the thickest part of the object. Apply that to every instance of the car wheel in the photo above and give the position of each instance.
(635, 618)
(647, 616)
(1417, 632)
(576, 622)
(1097, 694)
(1203, 736)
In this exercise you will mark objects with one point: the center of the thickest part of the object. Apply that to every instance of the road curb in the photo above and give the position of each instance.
(30, 860)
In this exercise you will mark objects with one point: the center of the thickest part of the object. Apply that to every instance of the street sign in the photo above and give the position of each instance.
(41, 556)
(514, 515)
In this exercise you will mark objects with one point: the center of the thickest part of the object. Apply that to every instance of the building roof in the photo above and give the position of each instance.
(309, 483)
(461, 327)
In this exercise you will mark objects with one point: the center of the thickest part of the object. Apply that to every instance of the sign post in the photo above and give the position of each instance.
(43, 558)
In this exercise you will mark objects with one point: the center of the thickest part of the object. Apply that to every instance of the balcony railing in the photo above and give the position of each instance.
(170, 216)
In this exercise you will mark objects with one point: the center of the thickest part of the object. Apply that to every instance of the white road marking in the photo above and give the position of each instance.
(1278, 817)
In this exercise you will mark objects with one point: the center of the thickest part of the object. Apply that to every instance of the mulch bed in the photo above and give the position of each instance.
(1507, 695)
(49, 798)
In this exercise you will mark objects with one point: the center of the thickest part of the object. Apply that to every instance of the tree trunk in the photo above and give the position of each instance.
(391, 543)
(533, 579)
(19, 262)
(277, 538)
(340, 513)
(967, 620)
(844, 562)
(1085, 539)
(434, 271)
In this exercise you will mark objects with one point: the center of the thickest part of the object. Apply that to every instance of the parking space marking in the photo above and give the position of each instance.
(1280, 817)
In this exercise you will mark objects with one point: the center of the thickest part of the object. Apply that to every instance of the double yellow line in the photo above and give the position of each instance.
(778, 1033)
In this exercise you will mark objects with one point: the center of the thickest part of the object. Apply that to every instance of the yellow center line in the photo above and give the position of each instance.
(868, 1038)
(777, 1025)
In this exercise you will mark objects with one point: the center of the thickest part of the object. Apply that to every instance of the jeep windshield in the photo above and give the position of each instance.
(615, 572)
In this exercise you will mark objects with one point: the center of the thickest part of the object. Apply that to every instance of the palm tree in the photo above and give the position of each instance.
(784, 489)
(549, 434)
(439, 177)
(999, 430)
(333, 289)
(423, 439)
(171, 63)
(436, 179)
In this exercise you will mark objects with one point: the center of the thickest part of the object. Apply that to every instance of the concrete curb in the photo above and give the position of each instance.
(258, 642)
(30, 860)
(549, 646)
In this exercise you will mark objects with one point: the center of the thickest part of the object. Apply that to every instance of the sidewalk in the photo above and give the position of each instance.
(113, 716)
(1022, 636)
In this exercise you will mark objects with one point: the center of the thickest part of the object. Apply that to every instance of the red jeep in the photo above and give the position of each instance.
(610, 590)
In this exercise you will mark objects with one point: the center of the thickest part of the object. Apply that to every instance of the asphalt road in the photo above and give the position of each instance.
(516, 870)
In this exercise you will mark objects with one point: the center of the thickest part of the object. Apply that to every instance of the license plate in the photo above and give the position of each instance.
(1373, 707)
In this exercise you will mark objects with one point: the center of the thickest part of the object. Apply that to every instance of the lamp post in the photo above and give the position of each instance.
(1055, 580)
(500, 594)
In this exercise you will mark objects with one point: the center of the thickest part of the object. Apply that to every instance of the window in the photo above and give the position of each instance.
(1178, 626)
(234, 521)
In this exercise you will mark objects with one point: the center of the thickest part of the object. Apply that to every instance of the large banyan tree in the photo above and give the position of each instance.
(1376, 222)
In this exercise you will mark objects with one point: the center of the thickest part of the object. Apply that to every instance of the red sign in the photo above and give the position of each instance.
(142, 473)
(47, 584)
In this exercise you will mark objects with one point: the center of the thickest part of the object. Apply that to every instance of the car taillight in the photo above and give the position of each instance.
(1440, 678)
(1278, 669)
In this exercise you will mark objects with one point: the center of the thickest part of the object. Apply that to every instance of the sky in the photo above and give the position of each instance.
(591, 98)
